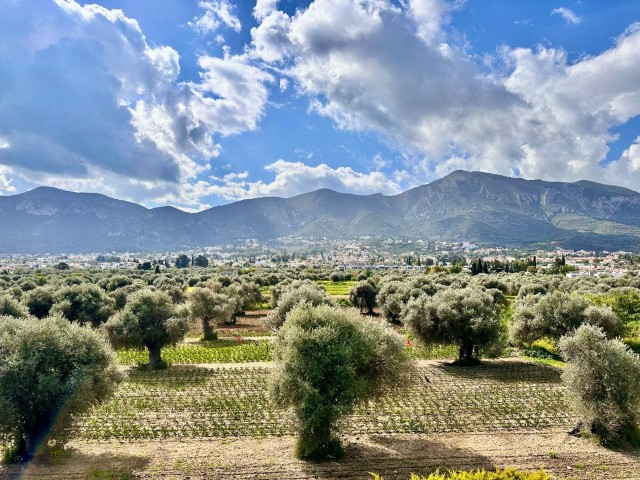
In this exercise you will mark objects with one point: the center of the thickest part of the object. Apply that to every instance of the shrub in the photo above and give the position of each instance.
(147, 321)
(466, 317)
(508, 474)
(50, 371)
(603, 381)
(328, 360)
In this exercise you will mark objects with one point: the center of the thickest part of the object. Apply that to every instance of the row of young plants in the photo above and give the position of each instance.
(234, 401)
(215, 351)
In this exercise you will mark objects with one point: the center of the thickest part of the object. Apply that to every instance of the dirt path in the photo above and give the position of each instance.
(393, 456)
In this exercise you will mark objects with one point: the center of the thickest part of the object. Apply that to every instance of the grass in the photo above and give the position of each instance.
(188, 401)
(216, 351)
(337, 288)
(234, 351)
(545, 361)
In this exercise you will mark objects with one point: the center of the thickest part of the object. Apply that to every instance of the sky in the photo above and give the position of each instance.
(200, 103)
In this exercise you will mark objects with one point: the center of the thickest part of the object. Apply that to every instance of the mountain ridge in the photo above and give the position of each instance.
(478, 207)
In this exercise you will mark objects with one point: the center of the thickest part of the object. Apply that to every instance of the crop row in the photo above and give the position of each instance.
(242, 351)
(204, 402)
(217, 351)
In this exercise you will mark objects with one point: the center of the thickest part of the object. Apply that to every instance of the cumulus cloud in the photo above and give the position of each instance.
(85, 97)
(216, 13)
(567, 14)
(264, 8)
(537, 115)
(294, 178)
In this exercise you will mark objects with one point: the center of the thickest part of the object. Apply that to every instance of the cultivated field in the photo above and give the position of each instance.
(213, 420)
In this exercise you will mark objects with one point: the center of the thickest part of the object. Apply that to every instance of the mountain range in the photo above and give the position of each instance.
(477, 207)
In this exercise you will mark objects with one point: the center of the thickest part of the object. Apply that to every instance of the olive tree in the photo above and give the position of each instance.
(557, 314)
(39, 301)
(83, 304)
(289, 298)
(327, 361)
(50, 371)
(12, 308)
(149, 321)
(363, 295)
(603, 382)
(467, 317)
(210, 308)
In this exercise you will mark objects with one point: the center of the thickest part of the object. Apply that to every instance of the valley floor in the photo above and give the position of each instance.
(393, 456)
(215, 421)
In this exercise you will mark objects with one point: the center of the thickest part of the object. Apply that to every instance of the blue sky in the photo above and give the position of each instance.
(199, 103)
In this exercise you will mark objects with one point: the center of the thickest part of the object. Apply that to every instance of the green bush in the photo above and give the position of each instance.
(50, 371)
(327, 361)
(508, 474)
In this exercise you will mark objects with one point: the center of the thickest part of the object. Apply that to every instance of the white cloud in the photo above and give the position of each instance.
(294, 178)
(567, 14)
(103, 104)
(538, 115)
(217, 13)
(284, 84)
(6, 186)
(264, 8)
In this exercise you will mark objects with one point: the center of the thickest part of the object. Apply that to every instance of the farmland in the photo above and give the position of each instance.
(232, 401)
(208, 414)
(197, 420)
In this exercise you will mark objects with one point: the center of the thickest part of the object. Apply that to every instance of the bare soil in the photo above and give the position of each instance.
(393, 456)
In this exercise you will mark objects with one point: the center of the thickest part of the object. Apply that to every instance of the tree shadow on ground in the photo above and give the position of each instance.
(75, 464)
(395, 458)
(507, 370)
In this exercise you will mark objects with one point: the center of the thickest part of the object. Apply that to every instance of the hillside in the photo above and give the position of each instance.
(470, 206)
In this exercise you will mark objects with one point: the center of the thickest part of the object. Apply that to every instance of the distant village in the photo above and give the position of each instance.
(364, 253)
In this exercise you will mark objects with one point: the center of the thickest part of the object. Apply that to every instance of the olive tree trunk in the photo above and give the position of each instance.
(207, 330)
(155, 357)
(466, 350)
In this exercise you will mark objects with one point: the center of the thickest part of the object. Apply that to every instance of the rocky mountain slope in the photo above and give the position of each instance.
(470, 206)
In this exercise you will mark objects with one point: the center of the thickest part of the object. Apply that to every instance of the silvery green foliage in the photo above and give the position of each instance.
(308, 293)
(395, 292)
(278, 290)
(211, 308)
(39, 301)
(149, 321)
(363, 295)
(83, 303)
(12, 307)
(603, 381)
(327, 361)
(50, 371)
(531, 289)
(467, 317)
(557, 314)
(605, 318)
